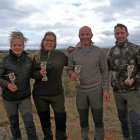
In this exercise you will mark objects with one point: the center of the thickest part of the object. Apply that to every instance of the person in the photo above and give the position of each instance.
(70, 49)
(94, 82)
(124, 62)
(15, 73)
(50, 93)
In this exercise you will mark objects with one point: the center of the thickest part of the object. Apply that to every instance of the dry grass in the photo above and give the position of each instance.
(112, 126)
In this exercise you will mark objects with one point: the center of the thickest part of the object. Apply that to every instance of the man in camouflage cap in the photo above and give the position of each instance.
(124, 63)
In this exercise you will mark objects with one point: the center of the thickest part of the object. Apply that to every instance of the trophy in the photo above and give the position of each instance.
(43, 67)
(12, 78)
(130, 69)
(77, 70)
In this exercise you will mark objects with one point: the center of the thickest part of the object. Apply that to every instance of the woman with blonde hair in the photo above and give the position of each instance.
(15, 72)
(48, 89)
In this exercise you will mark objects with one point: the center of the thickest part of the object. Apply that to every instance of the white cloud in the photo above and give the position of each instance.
(65, 17)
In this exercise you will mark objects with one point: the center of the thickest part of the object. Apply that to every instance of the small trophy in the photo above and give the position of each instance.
(130, 69)
(12, 78)
(43, 67)
(77, 70)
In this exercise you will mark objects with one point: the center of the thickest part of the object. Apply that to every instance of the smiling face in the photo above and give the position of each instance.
(85, 36)
(120, 34)
(49, 42)
(17, 46)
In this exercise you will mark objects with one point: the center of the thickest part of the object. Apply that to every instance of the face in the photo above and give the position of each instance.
(49, 43)
(120, 34)
(17, 46)
(70, 50)
(85, 36)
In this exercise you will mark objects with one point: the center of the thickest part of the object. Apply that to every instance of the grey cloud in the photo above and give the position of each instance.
(107, 33)
(124, 4)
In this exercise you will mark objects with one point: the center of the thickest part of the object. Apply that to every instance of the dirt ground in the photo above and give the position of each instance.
(112, 125)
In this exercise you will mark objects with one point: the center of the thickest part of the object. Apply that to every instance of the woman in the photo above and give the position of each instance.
(15, 71)
(50, 92)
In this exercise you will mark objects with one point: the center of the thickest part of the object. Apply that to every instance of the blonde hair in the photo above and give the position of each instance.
(17, 35)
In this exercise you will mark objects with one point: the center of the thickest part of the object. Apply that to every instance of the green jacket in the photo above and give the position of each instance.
(55, 64)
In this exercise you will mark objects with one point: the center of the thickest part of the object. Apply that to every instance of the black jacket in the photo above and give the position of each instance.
(21, 67)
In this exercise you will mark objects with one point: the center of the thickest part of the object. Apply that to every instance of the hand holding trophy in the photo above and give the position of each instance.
(11, 86)
(43, 67)
(77, 70)
(130, 69)
(12, 78)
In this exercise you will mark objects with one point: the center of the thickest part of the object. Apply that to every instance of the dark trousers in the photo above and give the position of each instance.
(92, 99)
(43, 107)
(128, 108)
(25, 109)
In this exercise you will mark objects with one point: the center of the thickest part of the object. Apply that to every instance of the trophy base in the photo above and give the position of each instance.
(45, 79)
(77, 82)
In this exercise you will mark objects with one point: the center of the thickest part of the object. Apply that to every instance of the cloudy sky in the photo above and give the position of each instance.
(65, 17)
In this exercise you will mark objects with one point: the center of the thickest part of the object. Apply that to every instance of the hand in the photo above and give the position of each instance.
(43, 73)
(74, 76)
(12, 87)
(106, 96)
(129, 82)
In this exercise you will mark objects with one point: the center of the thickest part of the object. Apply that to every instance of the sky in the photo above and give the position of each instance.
(65, 17)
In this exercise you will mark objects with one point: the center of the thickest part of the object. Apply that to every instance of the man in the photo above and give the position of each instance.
(124, 62)
(70, 49)
(93, 82)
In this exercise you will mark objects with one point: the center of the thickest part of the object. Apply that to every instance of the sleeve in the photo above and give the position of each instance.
(3, 82)
(65, 58)
(137, 75)
(70, 68)
(35, 70)
(108, 59)
(104, 70)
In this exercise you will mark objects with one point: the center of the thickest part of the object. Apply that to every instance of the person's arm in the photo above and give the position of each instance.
(105, 75)
(36, 74)
(3, 83)
(135, 78)
(70, 68)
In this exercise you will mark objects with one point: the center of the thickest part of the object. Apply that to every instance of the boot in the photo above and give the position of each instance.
(60, 135)
(99, 134)
(48, 134)
(84, 133)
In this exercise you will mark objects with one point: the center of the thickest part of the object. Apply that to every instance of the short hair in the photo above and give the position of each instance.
(121, 26)
(85, 27)
(71, 47)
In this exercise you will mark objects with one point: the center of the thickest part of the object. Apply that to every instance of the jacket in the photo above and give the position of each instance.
(56, 60)
(21, 67)
(119, 58)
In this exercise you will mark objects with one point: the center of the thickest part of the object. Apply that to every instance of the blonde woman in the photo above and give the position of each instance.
(15, 71)
(50, 91)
